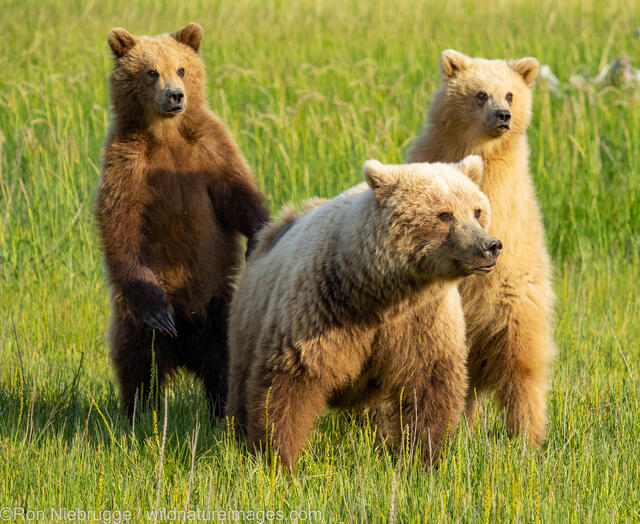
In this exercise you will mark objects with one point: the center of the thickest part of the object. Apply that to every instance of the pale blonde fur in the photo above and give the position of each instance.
(354, 304)
(508, 313)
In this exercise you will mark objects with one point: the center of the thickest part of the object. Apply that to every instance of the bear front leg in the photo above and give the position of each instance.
(521, 388)
(140, 361)
(281, 411)
(235, 408)
(238, 202)
(428, 408)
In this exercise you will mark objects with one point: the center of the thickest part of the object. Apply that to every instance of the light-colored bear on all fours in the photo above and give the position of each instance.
(354, 301)
(484, 108)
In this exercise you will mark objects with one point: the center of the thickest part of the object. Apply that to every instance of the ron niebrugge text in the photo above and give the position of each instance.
(18, 514)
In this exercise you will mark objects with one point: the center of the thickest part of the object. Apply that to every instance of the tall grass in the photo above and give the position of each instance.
(310, 90)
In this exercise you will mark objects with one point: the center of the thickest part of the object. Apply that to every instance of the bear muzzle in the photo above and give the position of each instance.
(479, 254)
(499, 122)
(173, 102)
(491, 248)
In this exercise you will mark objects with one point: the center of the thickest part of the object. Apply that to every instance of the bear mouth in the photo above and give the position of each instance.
(499, 130)
(484, 269)
(469, 269)
(170, 111)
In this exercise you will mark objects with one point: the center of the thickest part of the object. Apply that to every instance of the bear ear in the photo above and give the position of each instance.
(380, 178)
(190, 35)
(527, 68)
(120, 41)
(452, 62)
(473, 167)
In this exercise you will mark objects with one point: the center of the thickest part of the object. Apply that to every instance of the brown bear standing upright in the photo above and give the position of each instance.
(353, 303)
(484, 108)
(175, 192)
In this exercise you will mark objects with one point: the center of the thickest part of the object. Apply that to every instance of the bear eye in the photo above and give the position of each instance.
(181, 72)
(481, 97)
(509, 97)
(153, 73)
(445, 217)
(477, 213)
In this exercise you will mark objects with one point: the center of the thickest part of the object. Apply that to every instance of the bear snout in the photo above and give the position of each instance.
(492, 247)
(499, 121)
(477, 252)
(175, 98)
(172, 100)
(503, 115)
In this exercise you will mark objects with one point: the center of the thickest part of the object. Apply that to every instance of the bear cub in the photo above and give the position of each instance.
(175, 194)
(484, 108)
(353, 303)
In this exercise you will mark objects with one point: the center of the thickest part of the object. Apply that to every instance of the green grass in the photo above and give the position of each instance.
(310, 91)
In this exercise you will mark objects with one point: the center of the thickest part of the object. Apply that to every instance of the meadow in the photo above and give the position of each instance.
(311, 89)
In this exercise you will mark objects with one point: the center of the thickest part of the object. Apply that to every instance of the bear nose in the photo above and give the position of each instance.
(504, 115)
(492, 247)
(176, 95)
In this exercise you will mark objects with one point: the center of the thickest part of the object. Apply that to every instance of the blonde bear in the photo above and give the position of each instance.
(353, 302)
(484, 108)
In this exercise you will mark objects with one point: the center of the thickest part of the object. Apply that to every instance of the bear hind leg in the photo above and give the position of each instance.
(472, 409)
(141, 363)
(523, 382)
(205, 352)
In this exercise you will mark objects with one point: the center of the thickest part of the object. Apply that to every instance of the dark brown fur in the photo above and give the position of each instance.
(175, 192)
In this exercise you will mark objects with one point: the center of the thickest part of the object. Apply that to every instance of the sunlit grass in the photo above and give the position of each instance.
(311, 90)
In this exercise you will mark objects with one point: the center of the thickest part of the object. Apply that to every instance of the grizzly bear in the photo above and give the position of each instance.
(353, 302)
(174, 195)
(484, 108)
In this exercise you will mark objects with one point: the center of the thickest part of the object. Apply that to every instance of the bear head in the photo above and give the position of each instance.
(156, 77)
(434, 217)
(489, 99)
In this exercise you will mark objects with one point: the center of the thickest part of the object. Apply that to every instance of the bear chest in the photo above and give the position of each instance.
(179, 214)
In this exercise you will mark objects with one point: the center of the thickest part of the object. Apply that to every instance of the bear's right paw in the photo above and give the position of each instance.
(161, 319)
(150, 306)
